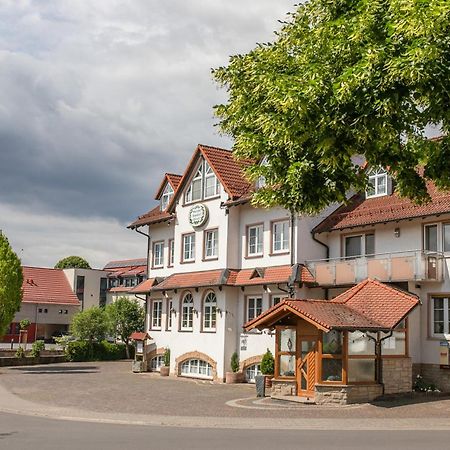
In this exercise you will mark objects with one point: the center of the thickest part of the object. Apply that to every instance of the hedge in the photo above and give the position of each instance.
(97, 351)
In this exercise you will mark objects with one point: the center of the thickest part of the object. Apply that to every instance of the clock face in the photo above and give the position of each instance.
(198, 215)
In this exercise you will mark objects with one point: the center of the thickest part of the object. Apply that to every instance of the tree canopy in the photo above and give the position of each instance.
(72, 262)
(125, 316)
(90, 324)
(11, 279)
(343, 79)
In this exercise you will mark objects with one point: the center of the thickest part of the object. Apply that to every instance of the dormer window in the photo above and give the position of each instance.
(378, 183)
(204, 184)
(166, 197)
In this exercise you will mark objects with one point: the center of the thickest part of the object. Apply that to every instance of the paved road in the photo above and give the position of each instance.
(24, 433)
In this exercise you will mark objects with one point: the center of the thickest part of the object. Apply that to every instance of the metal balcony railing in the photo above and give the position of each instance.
(413, 265)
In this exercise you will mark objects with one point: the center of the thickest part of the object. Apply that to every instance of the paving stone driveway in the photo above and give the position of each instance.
(112, 387)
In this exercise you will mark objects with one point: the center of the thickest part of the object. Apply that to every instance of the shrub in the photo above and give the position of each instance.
(267, 363)
(421, 385)
(235, 362)
(20, 353)
(37, 348)
(167, 357)
(97, 351)
(24, 324)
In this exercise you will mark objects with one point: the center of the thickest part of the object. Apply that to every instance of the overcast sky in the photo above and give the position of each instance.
(97, 100)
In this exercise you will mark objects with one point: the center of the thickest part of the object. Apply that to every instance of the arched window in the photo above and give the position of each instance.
(166, 197)
(195, 189)
(196, 368)
(187, 308)
(378, 182)
(251, 372)
(204, 184)
(209, 312)
(211, 182)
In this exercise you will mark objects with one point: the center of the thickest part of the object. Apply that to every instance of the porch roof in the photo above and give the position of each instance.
(145, 286)
(370, 305)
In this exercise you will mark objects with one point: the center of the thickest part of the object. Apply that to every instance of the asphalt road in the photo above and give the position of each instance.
(25, 433)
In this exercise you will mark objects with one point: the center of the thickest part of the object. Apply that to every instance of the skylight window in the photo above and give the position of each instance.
(378, 183)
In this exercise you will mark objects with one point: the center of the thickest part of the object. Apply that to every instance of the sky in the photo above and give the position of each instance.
(98, 99)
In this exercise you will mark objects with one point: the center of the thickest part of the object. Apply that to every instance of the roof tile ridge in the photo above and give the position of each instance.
(408, 295)
(350, 293)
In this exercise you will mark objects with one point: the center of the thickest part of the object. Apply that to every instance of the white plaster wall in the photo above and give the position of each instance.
(30, 311)
(161, 232)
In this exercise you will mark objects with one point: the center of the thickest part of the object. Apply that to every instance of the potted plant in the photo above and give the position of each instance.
(234, 376)
(267, 367)
(165, 369)
(23, 339)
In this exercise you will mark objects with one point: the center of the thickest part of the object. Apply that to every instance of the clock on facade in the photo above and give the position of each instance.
(198, 215)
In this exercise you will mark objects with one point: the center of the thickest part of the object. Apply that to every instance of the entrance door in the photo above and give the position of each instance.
(306, 365)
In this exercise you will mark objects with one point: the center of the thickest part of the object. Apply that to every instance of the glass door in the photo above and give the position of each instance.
(306, 365)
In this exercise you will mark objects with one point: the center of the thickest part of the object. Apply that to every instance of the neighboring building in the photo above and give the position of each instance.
(217, 264)
(48, 302)
(123, 277)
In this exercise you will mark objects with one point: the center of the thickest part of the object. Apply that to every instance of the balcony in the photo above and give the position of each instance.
(414, 265)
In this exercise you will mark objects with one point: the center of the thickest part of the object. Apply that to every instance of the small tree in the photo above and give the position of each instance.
(267, 363)
(72, 262)
(235, 362)
(125, 316)
(167, 357)
(37, 348)
(24, 324)
(11, 279)
(90, 325)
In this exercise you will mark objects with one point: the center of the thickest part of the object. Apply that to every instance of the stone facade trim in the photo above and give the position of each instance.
(195, 355)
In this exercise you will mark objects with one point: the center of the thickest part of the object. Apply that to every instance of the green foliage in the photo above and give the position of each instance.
(267, 363)
(90, 324)
(37, 347)
(24, 324)
(72, 262)
(62, 341)
(342, 79)
(420, 385)
(235, 362)
(125, 316)
(11, 279)
(167, 357)
(20, 353)
(97, 351)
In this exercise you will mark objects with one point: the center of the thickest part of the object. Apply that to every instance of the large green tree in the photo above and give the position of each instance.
(72, 262)
(343, 78)
(11, 278)
(125, 317)
(90, 325)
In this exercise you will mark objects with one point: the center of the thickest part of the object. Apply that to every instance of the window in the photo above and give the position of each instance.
(166, 197)
(446, 236)
(169, 314)
(276, 299)
(156, 314)
(194, 191)
(212, 184)
(361, 358)
(211, 244)
(209, 312)
(80, 289)
(156, 363)
(196, 368)
(332, 343)
(189, 247)
(280, 237)
(158, 254)
(187, 312)
(255, 240)
(254, 307)
(377, 184)
(440, 316)
(204, 184)
(286, 351)
(363, 244)
(171, 252)
(431, 238)
(103, 289)
(252, 371)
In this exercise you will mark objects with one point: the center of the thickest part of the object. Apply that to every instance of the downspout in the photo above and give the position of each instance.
(379, 365)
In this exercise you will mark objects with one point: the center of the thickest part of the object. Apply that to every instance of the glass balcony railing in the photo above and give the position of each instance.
(414, 265)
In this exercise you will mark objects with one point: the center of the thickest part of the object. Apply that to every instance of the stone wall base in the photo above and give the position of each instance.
(397, 375)
(345, 395)
(284, 388)
(433, 374)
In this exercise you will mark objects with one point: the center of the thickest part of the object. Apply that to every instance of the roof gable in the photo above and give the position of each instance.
(169, 178)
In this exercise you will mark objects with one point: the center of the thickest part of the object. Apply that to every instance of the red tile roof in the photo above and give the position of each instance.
(139, 336)
(193, 279)
(144, 287)
(171, 178)
(153, 216)
(361, 211)
(121, 263)
(119, 289)
(258, 276)
(370, 305)
(43, 285)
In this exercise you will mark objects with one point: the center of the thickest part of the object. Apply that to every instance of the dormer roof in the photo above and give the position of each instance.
(171, 178)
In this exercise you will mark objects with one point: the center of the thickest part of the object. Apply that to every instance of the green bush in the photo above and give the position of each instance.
(235, 362)
(97, 351)
(267, 363)
(20, 353)
(167, 357)
(37, 348)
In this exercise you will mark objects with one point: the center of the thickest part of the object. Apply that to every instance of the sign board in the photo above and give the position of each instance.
(443, 354)
(243, 342)
(198, 215)
(139, 347)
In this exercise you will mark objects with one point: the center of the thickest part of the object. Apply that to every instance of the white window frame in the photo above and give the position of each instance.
(276, 298)
(191, 251)
(169, 314)
(375, 175)
(281, 236)
(254, 307)
(211, 251)
(194, 368)
(204, 173)
(440, 237)
(156, 362)
(171, 258)
(257, 242)
(363, 241)
(252, 371)
(446, 317)
(210, 175)
(158, 255)
(156, 314)
(210, 312)
(187, 312)
(166, 196)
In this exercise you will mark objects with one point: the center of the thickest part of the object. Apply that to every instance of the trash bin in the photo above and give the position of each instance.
(260, 383)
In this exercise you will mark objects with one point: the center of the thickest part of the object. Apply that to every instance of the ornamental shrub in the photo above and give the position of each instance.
(24, 324)
(20, 353)
(267, 363)
(96, 351)
(37, 348)
(167, 357)
(235, 362)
